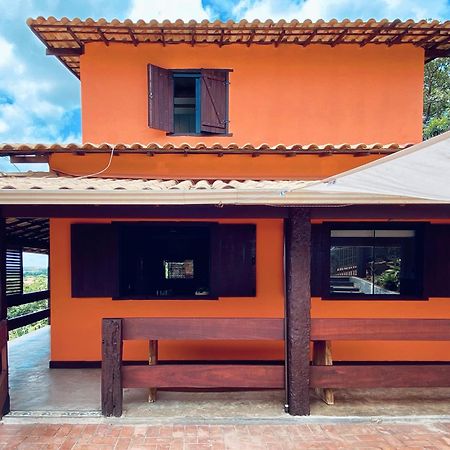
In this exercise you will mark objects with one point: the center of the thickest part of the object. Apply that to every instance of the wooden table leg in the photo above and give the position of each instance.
(322, 357)
(152, 360)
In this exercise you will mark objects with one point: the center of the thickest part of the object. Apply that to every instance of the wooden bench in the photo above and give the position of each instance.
(324, 375)
(116, 376)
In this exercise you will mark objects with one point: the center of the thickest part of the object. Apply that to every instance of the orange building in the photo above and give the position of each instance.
(192, 196)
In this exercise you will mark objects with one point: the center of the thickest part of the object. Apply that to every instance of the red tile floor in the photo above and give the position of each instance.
(434, 435)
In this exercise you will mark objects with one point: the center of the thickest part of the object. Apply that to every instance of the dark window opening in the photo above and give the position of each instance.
(374, 263)
(164, 261)
(186, 104)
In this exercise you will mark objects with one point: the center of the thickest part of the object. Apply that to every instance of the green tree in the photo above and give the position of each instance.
(436, 98)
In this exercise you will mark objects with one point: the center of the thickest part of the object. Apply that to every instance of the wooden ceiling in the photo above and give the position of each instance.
(31, 234)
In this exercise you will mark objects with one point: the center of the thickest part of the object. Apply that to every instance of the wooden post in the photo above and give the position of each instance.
(112, 395)
(4, 382)
(322, 357)
(298, 309)
(152, 360)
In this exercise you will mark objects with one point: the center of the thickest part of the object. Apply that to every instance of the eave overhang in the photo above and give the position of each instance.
(66, 38)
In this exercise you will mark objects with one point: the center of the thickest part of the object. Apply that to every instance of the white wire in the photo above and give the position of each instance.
(100, 171)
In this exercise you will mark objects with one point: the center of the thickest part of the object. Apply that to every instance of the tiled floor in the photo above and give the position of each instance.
(218, 437)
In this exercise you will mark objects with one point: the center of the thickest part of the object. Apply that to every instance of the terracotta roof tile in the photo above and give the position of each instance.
(7, 149)
(51, 181)
(73, 34)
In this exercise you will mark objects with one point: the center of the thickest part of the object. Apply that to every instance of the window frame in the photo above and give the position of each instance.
(120, 226)
(418, 228)
(198, 72)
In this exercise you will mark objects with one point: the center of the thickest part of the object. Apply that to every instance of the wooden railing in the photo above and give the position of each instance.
(116, 376)
(325, 375)
(23, 299)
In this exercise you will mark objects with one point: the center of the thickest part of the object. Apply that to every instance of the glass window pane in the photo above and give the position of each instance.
(386, 270)
(351, 270)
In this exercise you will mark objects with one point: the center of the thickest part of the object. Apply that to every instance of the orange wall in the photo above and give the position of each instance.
(286, 94)
(301, 167)
(76, 322)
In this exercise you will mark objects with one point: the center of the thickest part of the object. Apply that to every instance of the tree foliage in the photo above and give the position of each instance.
(34, 281)
(436, 98)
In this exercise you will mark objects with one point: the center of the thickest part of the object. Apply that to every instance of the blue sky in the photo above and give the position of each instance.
(40, 99)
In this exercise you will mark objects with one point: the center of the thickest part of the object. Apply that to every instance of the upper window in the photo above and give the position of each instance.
(374, 262)
(188, 102)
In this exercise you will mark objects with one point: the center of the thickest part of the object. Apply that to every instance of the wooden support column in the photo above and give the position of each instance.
(112, 344)
(298, 309)
(4, 381)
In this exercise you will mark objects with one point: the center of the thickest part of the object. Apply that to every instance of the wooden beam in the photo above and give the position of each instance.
(142, 212)
(28, 319)
(381, 376)
(383, 212)
(112, 348)
(152, 361)
(29, 159)
(432, 53)
(64, 51)
(380, 329)
(153, 328)
(298, 305)
(204, 376)
(23, 299)
(322, 357)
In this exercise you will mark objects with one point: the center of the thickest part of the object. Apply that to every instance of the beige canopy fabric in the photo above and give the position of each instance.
(35, 188)
(418, 172)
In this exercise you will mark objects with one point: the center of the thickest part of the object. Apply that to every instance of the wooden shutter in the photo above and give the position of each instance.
(319, 260)
(233, 260)
(93, 256)
(437, 261)
(160, 98)
(214, 101)
(14, 271)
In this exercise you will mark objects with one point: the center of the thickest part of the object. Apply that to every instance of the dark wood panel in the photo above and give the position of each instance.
(93, 256)
(376, 376)
(203, 328)
(160, 94)
(233, 260)
(111, 383)
(203, 376)
(22, 299)
(27, 319)
(298, 309)
(214, 101)
(437, 260)
(380, 329)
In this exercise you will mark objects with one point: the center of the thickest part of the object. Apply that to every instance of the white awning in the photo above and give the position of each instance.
(418, 172)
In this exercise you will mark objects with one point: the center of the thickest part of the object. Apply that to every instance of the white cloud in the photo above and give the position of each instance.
(168, 9)
(341, 9)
